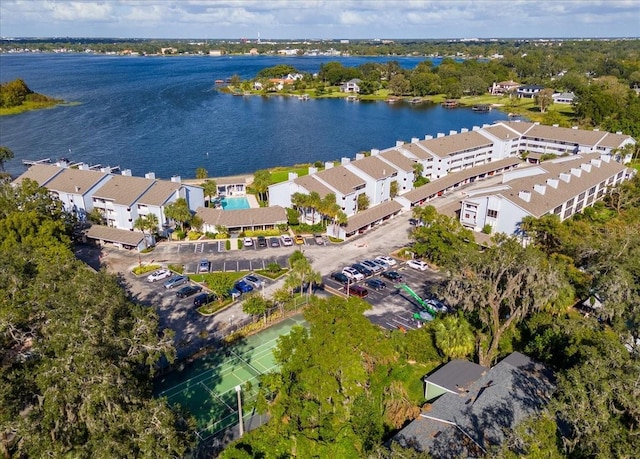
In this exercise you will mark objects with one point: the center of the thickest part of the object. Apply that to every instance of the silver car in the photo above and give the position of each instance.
(159, 275)
(175, 281)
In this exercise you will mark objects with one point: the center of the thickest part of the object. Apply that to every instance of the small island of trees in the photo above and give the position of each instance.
(17, 97)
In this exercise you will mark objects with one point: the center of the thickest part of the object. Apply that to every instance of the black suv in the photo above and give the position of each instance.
(366, 272)
(262, 241)
(392, 275)
(340, 277)
(204, 298)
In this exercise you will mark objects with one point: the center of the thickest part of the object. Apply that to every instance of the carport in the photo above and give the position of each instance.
(118, 237)
(369, 218)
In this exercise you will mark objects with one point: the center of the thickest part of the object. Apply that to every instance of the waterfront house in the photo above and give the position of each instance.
(563, 98)
(478, 406)
(528, 91)
(351, 86)
(503, 87)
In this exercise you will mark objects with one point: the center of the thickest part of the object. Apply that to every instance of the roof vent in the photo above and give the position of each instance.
(440, 134)
(565, 177)
(414, 140)
(525, 195)
(150, 175)
(577, 172)
(452, 132)
(553, 183)
(344, 160)
(587, 167)
(428, 137)
(540, 188)
(399, 143)
(328, 165)
(176, 179)
(126, 172)
(77, 189)
(375, 151)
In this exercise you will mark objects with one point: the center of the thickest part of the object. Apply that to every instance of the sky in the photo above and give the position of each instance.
(320, 19)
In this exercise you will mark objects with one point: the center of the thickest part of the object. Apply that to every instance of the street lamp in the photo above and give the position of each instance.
(240, 421)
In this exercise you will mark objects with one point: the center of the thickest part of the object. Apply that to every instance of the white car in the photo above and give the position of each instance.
(417, 264)
(372, 265)
(388, 260)
(352, 273)
(159, 275)
(286, 240)
(247, 242)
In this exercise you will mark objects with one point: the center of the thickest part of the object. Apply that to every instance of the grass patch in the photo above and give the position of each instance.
(28, 106)
(139, 270)
(214, 307)
(176, 268)
(282, 174)
(271, 274)
(335, 240)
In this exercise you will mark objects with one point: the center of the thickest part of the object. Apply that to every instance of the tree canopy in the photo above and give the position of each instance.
(77, 357)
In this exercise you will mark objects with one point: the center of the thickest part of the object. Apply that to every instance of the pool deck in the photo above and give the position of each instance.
(253, 202)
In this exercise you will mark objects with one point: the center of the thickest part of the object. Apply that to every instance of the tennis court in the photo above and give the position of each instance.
(206, 388)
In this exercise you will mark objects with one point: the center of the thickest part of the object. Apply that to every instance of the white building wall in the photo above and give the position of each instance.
(280, 193)
(194, 196)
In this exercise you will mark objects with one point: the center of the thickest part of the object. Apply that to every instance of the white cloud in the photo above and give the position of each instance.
(319, 18)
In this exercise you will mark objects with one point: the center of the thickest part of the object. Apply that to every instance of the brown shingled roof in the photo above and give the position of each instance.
(273, 215)
(372, 215)
(613, 140)
(123, 189)
(500, 131)
(311, 184)
(159, 193)
(449, 180)
(574, 136)
(341, 179)
(449, 144)
(518, 126)
(399, 160)
(41, 173)
(108, 234)
(75, 181)
(540, 204)
(374, 167)
(416, 150)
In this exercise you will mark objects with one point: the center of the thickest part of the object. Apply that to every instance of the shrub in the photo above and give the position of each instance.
(194, 235)
(486, 229)
(227, 245)
(293, 217)
(138, 270)
(240, 244)
(178, 235)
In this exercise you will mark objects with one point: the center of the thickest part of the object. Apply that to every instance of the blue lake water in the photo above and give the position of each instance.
(164, 115)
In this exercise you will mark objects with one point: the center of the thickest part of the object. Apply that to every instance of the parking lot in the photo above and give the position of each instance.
(391, 307)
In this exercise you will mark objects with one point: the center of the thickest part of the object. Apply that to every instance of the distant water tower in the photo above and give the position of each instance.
(258, 37)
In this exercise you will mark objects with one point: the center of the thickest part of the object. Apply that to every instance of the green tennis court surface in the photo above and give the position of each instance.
(206, 387)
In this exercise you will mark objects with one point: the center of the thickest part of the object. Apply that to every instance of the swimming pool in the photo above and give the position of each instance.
(235, 203)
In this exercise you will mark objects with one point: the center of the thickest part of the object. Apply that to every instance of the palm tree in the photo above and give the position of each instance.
(210, 188)
(300, 202)
(201, 173)
(454, 337)
(314, 202)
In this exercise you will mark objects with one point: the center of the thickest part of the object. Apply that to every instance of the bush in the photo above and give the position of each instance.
(335, 240)
(227, 245)
(265, 233)
(303, 228)
(210, 235)
(240, 244)
(138, 270)
(486, 229)
(194, 235)
(293, 217)
(178, 235)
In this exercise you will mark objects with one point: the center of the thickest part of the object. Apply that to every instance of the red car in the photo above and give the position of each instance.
(356, 290)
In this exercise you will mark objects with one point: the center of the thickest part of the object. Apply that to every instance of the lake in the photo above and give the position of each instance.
(164, 115)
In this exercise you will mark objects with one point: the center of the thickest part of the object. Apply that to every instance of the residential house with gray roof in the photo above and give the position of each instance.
(261, 218)
(473, 421)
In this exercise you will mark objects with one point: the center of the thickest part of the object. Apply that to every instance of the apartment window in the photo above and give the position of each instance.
(557, 210)
(581, 196)
(492, 213)
(592, 190)
(570, 202)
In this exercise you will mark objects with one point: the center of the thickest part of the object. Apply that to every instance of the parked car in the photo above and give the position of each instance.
(286, 240)
(175, 281)
(356, 290)
(234, 293)
(376, 284)
(243, 286)
(437, 305)
(299, 240)
(262, 241)
(388, 260)
(352, 274)
(204, 298)
(340, 277)
(247, 242)
(392, 276)
(362, 269)
(159, 275)
(203, 266)
(274, 242)
(370, 264)
(380, 263)
(188, 290)
(416, 222)
(418, 264)
(320, 240)
(254, 281)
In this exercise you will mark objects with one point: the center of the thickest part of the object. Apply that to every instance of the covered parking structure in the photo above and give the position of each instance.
(367, 219)
(262, 218)
(120, 238)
